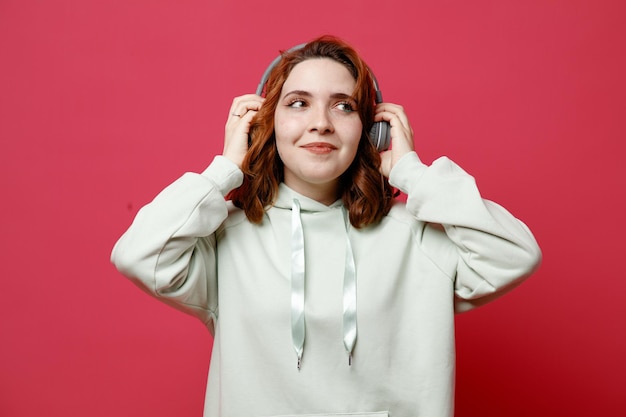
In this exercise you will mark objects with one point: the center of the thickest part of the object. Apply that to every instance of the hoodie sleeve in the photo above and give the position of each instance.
(169, 249)
(493, 251)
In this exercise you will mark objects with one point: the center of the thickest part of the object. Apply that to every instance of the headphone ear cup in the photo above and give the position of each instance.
(380, 135)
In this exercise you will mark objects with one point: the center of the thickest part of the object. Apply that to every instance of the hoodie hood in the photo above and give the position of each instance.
(299, 205)
(286, 196)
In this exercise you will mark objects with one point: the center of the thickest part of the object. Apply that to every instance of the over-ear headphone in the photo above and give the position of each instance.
(380, 134)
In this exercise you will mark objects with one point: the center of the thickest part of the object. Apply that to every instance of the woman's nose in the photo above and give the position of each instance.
(320, 121)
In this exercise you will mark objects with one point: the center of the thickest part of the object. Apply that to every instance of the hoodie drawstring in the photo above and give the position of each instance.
(349, 295)
(298, 282)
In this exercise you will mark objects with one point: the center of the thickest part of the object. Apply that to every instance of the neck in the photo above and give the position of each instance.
(326, 194)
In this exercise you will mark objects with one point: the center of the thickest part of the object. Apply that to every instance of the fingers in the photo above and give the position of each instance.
(401, 134)
(401, 130)
(242, 106)
(394, 114)
(237, 126)
(241, 113)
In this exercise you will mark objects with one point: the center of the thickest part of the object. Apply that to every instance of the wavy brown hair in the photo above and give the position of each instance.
(366, 193)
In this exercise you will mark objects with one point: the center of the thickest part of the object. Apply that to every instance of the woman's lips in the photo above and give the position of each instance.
(319, 148)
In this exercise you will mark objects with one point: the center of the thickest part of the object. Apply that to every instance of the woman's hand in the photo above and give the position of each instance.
(401, 135)
(237, 127)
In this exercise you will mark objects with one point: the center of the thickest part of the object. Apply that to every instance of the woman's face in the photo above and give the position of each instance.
(317, 127)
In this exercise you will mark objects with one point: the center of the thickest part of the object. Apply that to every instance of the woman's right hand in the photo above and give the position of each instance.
(243, 109)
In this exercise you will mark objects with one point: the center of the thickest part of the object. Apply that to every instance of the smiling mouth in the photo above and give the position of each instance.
(319, 148)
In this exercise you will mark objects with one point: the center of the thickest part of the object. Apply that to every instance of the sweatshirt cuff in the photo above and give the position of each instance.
(406, 171)
(224, 173)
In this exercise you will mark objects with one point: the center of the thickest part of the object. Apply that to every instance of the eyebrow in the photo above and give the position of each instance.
(308, 94)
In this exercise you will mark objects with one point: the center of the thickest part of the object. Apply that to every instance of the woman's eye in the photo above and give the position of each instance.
(297, 104)
(345, 107)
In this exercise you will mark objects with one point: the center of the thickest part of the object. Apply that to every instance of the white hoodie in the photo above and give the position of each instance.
(446, 250)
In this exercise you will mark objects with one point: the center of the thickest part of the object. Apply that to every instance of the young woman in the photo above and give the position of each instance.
(324, 295)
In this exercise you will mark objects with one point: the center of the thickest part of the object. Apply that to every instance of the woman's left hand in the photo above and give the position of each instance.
(401, 135)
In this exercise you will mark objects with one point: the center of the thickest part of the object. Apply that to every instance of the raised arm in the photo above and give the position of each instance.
(493, 251)
(169, 250)
(488, 250)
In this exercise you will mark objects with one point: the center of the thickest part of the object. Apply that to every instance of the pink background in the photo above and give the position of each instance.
(103, 103)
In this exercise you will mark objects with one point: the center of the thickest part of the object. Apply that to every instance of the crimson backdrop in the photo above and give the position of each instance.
(103, 103)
